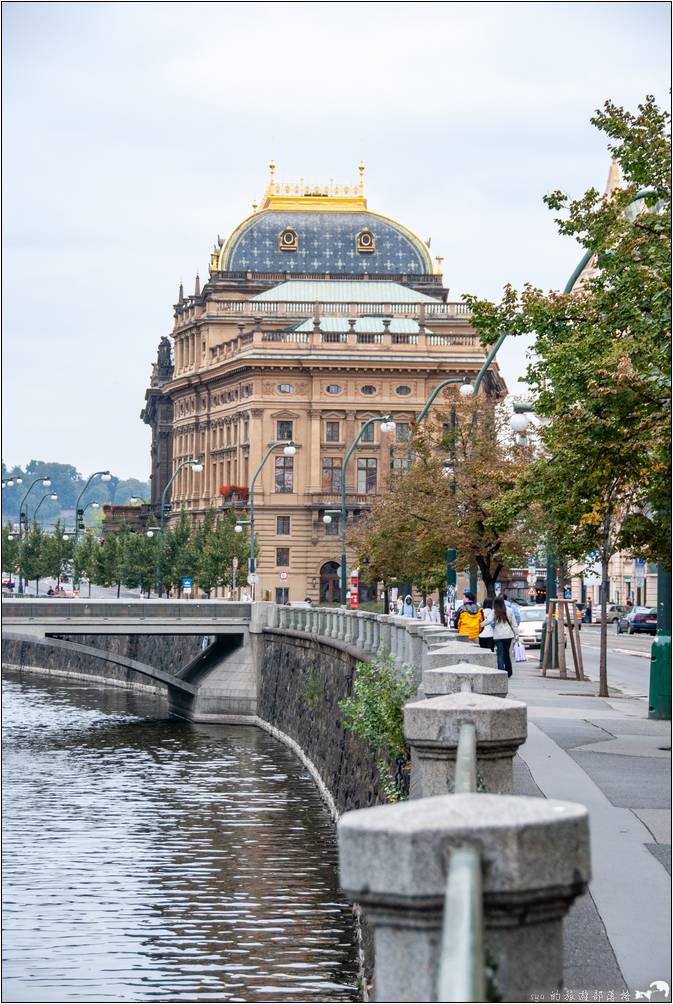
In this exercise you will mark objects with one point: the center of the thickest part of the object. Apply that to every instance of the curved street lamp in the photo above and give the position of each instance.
(49, 495)
(387, 425)
(104, 476)
(197, 467)
(289, 449)
(23, 515)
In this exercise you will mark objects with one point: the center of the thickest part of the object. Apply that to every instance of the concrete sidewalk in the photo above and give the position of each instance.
(606, 754)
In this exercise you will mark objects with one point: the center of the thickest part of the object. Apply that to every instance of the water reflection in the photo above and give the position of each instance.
(146, 859)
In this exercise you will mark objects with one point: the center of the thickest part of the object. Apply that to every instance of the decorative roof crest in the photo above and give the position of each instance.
(301, 190)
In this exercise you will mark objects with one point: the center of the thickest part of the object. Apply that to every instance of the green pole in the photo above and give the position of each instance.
(46, 481)
(160, 556)
(365, 425)
(660, 659)
(252, 564)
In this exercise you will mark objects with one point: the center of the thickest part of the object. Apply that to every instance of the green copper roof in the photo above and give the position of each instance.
(327, 291)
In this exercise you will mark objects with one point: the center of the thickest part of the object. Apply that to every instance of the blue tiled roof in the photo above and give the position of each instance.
(326, 244)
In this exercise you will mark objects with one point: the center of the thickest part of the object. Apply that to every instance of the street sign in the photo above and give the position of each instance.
(234, 563)
(532, 593)
(252, 579)
(498, 589)
(532, 565)
(283, 576)
(530, 579)
(639, 569)
(187, 587)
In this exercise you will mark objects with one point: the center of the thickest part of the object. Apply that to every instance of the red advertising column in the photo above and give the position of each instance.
(355, 589)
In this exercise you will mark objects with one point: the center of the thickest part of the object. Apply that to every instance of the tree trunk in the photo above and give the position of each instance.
(603, 655)
(37, 587)
(119, 589)
(442, 611)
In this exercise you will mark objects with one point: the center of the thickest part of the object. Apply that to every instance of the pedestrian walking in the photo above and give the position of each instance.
(505, 631)
(408, 609)
(470, 617)
(429, 612)
(486, 639)
(513, 609)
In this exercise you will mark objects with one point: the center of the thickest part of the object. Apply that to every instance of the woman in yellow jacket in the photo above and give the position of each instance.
(470, 617)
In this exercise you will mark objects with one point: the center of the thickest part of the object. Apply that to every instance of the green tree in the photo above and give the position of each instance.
(85, 557)
(57, 553)
(140, 561)
(32, 556)
(601, 369)
(447, 499)
(11, 549)
(111, 558)
(216, 544)
(178, 558)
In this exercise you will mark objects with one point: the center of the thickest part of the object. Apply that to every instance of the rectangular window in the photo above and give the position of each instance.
(402, 432)
(366, 475)
(282, 557)
(284, 475)
(283, 526)
(368, 433)
(283, 430)
(331, 475)
(332, 432)
(282, 595)
(332, 529)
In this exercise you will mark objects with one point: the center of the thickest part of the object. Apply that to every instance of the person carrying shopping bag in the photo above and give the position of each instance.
(504, 632)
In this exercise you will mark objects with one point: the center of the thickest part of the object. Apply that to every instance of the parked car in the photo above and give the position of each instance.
(613, 613)
(641, 620)
(532, 619)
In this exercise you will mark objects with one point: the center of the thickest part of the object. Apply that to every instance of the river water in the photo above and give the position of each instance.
(147, 859)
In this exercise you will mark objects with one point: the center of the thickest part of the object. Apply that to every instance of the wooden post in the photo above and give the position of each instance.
(571, 618)
(563, 671)
(547, 639)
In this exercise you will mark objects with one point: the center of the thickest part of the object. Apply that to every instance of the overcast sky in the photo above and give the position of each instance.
(135, 133)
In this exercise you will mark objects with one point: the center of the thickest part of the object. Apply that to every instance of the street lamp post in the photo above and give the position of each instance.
(197, 467)
(289, 449)
(104, 476)
(387, 425)
(48, 495)
(23, 516)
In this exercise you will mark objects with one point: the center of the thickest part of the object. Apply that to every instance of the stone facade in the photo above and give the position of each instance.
(346, 333)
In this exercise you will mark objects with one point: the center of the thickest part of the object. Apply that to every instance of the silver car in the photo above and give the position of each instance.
(532, 619)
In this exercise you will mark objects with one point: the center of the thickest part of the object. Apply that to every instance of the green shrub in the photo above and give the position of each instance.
(374, 713)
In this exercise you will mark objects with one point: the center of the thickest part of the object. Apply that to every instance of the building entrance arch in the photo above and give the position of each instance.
(330, 585)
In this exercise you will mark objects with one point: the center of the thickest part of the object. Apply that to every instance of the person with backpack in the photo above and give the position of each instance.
(505, 631)
(470, 617)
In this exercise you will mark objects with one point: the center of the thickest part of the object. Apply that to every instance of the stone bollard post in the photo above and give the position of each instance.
(384, 636)
(452, 679)
(535, 860)
(432, 728)
(282, 618)
(455, 651)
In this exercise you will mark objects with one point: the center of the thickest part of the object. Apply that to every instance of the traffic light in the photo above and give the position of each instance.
(80, 524)
(167, 507)
(80, 512)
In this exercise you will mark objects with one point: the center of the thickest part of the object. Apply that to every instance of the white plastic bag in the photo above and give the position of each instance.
(520, 652)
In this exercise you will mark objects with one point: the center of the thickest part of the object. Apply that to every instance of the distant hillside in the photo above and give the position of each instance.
(67, 483)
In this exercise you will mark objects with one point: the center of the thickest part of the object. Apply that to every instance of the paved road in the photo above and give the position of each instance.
(628, 659)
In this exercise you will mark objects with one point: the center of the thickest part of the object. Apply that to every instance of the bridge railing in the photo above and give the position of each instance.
(81, 609)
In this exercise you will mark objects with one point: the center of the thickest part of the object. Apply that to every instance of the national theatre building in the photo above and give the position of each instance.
(318, 314)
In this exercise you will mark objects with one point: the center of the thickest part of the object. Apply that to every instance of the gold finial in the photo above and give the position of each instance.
(439, 259)
(272, 175)
(361, 169)
(254, 206)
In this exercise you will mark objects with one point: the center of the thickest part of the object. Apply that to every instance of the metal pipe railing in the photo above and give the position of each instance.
(466, 760)
(461, 968)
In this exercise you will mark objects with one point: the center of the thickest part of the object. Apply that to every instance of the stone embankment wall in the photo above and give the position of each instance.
(301, 681)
